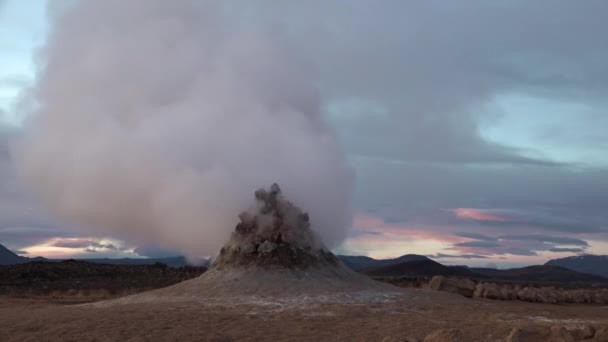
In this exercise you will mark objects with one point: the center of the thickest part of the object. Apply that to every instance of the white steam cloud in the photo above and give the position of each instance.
(155, 121)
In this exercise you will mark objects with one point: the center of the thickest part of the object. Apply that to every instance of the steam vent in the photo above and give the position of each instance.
(277, 234)
(272, 254)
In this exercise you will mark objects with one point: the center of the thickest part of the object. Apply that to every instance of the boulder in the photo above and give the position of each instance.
(527, 295)
(601, 334)
(547, 295)
(600, 297)
(508, 293)
(461, 286)
(489, 291)
(444, 335)
(560, 334)
(582, 332)
(529, 334)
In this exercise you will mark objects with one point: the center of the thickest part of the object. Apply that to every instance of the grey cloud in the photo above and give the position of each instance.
(566, 250)
(481, 244)
(428, 76)
(519, 251)
(476, 236)
(83, 243)
(547, 238)
(355, 233)
(153, 251)
(461, 256)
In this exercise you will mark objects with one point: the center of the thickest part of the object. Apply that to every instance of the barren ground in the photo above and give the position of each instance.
(415, 313)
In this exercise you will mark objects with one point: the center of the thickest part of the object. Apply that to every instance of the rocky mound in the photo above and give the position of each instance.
(276, 234)
(273, 254)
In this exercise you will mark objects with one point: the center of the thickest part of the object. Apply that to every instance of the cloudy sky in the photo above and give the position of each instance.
(476, 129)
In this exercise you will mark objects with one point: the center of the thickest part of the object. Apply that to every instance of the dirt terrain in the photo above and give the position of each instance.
(414, 314)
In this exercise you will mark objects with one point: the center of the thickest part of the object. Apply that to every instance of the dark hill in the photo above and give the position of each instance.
(548, 275)
(592, 264)
(7, 257)
(420, 268)
(358, 263)
(71, 276)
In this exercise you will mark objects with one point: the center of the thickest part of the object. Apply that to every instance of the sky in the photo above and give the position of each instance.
(476, 130)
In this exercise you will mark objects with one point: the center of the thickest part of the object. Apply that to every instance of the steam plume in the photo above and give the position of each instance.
(155, 120)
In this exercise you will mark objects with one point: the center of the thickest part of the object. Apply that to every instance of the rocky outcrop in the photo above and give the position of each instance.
(487, 290)
(461, 286)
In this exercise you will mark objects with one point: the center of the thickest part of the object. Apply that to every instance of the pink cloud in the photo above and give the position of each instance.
(375, 224)
(479, 215)
(71, 242)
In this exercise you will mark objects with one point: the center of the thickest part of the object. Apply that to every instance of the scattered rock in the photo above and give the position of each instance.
(601, 334)
(489, 291)
(444, 335)
(582, 332)
(560, 334)
(464, 287)
(527, 295)
(529, 334)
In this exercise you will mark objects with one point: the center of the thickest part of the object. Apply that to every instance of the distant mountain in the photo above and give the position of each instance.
(420, 268)
(358, 263)
(424, 267)
(7, 257)
(592, 264)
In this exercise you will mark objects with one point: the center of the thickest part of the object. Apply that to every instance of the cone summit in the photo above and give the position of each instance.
(274, 234)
